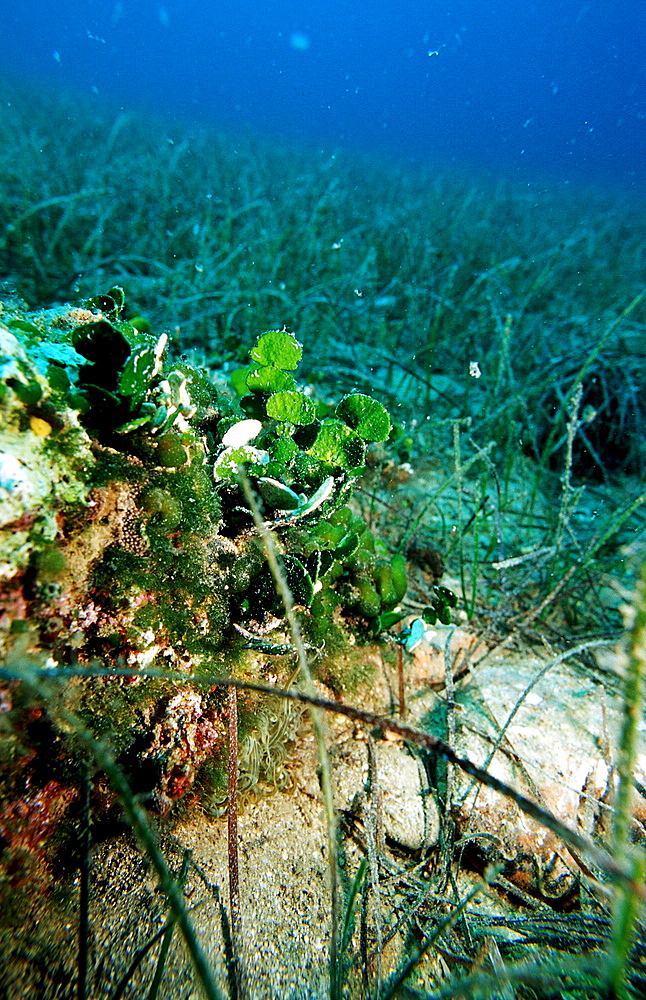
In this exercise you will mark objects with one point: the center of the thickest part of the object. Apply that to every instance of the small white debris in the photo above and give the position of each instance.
(242, 433)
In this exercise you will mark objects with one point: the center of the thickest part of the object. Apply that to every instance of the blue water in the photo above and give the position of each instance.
(521, 86)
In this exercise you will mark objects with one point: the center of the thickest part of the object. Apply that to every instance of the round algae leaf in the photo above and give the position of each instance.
(269, 378)
(238, 380)
(298, 580)
(27, 392)
(226, 465)
(141, 324)
(263, 596)
(283, 451)
(365, 416)
(383, 579)
(369, 600)
(292, 406)
(400, 581)
(277, 495)
(50, 564)
(337, 444)
(143, 364)
(330, 536)
(278, 348)
(341, 515)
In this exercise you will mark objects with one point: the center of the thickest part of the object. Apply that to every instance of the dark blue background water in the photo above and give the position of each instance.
(520, 86)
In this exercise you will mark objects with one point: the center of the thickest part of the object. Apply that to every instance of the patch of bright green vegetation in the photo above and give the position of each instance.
(165, 431)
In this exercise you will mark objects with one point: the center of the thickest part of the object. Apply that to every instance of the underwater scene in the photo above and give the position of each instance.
(322, 500)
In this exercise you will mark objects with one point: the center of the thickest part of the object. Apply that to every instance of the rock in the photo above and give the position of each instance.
(554, 750)
(409, 814)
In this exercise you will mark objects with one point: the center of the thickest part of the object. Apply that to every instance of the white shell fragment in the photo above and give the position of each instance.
(241, 433)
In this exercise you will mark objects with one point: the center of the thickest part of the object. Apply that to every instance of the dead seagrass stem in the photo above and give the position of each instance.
(400, 678)
(84, 897)
(625, 908)
(232, 838)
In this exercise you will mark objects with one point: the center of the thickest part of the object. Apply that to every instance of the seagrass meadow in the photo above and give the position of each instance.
(322, 608)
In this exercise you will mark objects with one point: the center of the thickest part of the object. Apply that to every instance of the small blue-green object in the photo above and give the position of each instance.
(413, 635)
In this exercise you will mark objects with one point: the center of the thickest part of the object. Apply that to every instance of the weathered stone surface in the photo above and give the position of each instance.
(554, 749)
(428, 667)
(405, 806)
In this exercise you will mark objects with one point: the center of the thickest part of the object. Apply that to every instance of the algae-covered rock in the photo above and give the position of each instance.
(127, 546)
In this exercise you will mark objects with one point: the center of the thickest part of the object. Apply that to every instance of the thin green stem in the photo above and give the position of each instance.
(626, 904)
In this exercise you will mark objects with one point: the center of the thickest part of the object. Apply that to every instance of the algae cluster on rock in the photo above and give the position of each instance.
(126, 542)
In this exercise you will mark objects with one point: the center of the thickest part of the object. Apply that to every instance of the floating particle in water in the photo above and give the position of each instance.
(300, 41)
